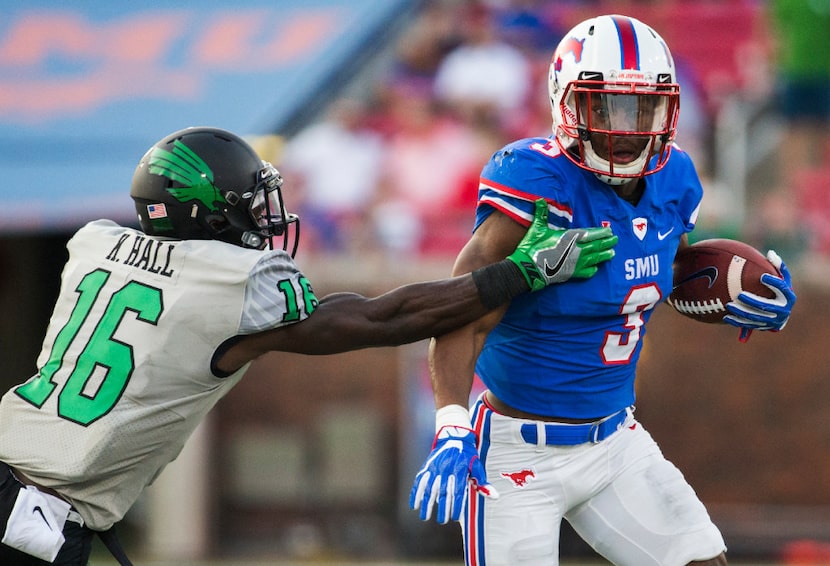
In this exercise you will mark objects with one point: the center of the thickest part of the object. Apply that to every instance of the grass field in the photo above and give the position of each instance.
(104, 561)
(295, 563)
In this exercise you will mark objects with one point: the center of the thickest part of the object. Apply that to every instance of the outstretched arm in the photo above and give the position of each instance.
(348, 321)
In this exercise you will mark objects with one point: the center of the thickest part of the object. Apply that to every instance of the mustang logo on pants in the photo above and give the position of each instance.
(520, 478)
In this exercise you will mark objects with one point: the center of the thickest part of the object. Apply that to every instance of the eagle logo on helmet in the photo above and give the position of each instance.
(183, 166)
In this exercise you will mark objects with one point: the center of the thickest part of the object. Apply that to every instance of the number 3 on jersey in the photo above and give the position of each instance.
(101, 351)
(618, 347)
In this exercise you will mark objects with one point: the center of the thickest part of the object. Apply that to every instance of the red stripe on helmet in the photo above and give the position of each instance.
(629, 54)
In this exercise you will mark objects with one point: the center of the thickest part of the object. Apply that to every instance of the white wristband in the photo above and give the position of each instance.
(452, 415)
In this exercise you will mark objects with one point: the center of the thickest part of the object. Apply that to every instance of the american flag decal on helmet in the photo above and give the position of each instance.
(157, 210)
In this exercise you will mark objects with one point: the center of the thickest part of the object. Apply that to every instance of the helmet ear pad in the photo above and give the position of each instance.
(229, 223)
(217, 223)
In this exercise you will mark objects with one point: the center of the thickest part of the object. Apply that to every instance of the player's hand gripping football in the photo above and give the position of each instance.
(548, 256)
(752, 312)
(452, 464)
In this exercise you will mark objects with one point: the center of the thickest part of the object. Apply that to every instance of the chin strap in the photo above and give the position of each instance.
(613, 181)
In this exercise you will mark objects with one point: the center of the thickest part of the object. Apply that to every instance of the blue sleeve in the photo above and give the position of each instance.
(690, 195)
(515, 177)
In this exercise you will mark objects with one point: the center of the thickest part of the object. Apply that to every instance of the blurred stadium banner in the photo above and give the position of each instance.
(87, 87)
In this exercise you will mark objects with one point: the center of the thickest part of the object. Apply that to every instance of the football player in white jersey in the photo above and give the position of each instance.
(153, 326)
(554, 434)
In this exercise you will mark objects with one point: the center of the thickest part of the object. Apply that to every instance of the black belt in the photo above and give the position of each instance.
(564, 434)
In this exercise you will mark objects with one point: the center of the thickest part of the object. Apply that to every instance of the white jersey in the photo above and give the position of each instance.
(125, 372)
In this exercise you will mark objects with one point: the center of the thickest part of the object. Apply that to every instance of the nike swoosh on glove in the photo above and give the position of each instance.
(752, 312)
(548, 256)
(453, 462)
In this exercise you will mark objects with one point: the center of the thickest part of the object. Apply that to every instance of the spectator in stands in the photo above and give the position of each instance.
(430, 172)
(484, 74)
(774, 223)
(335, 164)
(802, 35)
(432, 35)
(695, 123)
(530, 25)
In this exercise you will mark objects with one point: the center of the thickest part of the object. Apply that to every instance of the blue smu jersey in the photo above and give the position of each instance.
(570, 350)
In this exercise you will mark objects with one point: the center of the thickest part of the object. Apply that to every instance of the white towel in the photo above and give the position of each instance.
(36, 524)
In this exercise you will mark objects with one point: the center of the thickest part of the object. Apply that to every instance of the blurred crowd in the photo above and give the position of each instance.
(396, 168)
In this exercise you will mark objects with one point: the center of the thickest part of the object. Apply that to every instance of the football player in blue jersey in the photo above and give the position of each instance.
(554, 435)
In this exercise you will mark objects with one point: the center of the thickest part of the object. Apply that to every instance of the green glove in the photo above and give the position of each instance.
(548, 256)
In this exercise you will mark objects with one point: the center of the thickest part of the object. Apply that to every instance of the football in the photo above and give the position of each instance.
(711, 273)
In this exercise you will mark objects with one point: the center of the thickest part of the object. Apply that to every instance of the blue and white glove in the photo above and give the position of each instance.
(453, 462)
(752, 312)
